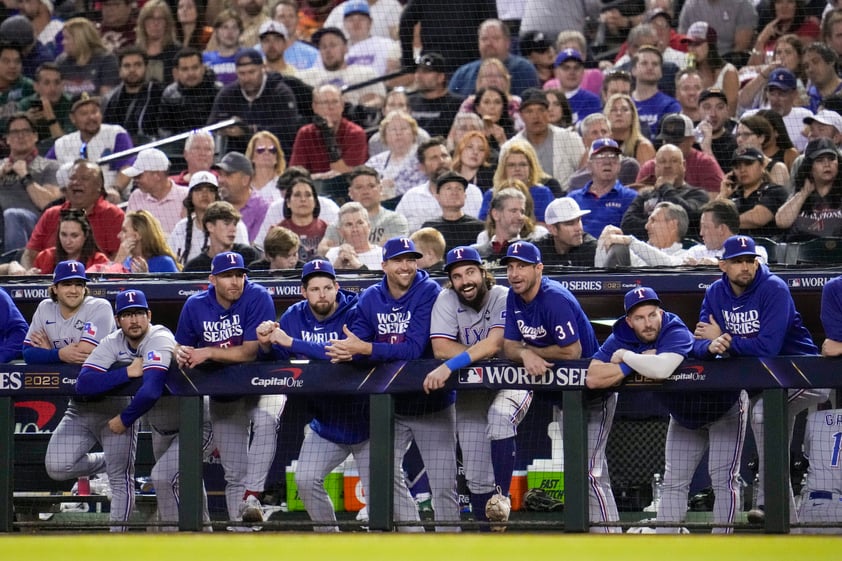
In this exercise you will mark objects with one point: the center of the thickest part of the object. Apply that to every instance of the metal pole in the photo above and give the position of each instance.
(575, 442)
(776, 480)
(190, 464)
(7, 458)
(381, 468)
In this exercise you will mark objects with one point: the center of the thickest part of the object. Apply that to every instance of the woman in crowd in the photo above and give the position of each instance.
(156, 36)
(74, 241)
(625, 128)
(266, 155)
(749, 186)
(715, 72)
(789, 17)
(560, 113)
(519, 162)
(86, 65)
(490, 104)
(789, 52)
(143, 246)
(188, 237)
(190, 28)
(815, 209)
(398, 165)
(493, 73)
(396, 100)
(780, 147)
(756, 132)
(463, 123)
(472, 159)
(301, 215)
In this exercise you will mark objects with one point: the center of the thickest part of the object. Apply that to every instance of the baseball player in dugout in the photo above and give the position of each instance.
(467, 325)
(219, 326)
(750, 312)
(67, 327)
(545, 323)
(392, 323)
(340, 423)
(653, 343)
(139, 349)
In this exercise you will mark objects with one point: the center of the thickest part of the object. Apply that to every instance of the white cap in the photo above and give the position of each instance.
(562, 210)
(150, 159)
(201, 177)
(826, 117)
(272, 26)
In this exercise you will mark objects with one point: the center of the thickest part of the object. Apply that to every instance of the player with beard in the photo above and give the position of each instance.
(467, 326)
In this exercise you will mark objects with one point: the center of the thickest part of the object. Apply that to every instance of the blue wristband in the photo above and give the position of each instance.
(626, 369)
(459, 361)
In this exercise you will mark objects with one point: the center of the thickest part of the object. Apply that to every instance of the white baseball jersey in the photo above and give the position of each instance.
(823, 447)
(92, 322)
(453, 320)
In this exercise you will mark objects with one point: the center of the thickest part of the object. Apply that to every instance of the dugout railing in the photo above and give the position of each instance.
(773, 376)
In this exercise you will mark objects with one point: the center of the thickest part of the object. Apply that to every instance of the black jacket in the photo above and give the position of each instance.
(183, 109)
(139, 116)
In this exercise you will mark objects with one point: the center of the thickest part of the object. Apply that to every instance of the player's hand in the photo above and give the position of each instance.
(343, 350)
(191, 357)
(709, 331)
(116, 425)
(40, 340)
(264, 332)
(534, 364)
(280, 337)
(135, 369)
(720, 345)
(75, 353)
(617, 357)
(436, 379)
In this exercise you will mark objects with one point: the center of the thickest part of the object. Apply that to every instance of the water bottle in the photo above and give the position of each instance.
(698, 135)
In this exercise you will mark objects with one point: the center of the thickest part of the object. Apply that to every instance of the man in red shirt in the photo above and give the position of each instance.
(86, 191)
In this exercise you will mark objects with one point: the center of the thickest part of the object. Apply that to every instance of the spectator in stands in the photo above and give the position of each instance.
(615, 82)
(273, 43)
(788, 17)
(716, 126)
(604, 195)
(493, 74)
(227, 28)
(490, 104)
(332, 145)
(567, 242)
(27, 181)
(220, 226)
(118, 28)
(815, 208)
(298, 53)
(301, 215)
(365, 188)
(18, 32)
(757, 197)
(625, 123)
(824, 124)
(755, 131)
(735, 26)
(190, 28)
(143, 246)
(592, 127)
(665, 228)
(94, 140)
(720, 220)
(652, 104)
(519, 161)
(560, 112)
(155, 192)
(14, 86)
(508, 221)
(156, 37)
(669, 186)
(767, 325)
(396, 100)
(253, 13)
(538, 48)
(259, 101)
(188, 238)
(86, 191)
(782, 93)
(74, 241)
(44, 25)
(569, 69)
(432, 105)
(701, 170)
(267, 157)
(49, 107)
(495, 42)
(430, 244)
(701, 43)
(385, 16)
(457, 228)
(186, 102)
(820, 63)
(333, 47)
(463, 123)
(356, 251)
(135, 102)
(780, 148)
(198, 154)
(419, 203)
(398, 166)
(86, 64)
(474, 160)
(687, 90)
(788, 54)
(281, 248)
(657, 29)
(235, 180)
(382, 54)
(559, 150)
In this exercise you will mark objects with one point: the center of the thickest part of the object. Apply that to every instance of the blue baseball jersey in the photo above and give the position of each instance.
(605, 210)
(553, 317)
(224, 67)
(583, 103)
(831, 313)
(762, 321)
(205, 323)
(653, 109)
(14, 328)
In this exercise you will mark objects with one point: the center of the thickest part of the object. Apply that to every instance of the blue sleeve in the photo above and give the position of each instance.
(185, 334)
(92, 381)
(292, 325)
(561, 317)
(606, 351)
(262, 309)
(51, 153)
(162, 264)
(486, 204)
(122, 142)
(37, 355)
(831, 311)
(676, 339)
(510, 331)
(700, 346)
(146, 397)
(14, 329)
(541, 197)
(778, 314)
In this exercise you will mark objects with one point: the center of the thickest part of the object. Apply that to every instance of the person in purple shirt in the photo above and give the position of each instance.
(235, 175)
(750, 312)
(652, 104)
(569, 69)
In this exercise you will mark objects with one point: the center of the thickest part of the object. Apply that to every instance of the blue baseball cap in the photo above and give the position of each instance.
(568, 54)
(129, 299)
(228, 261)
(782, 79)
(602, 145)
(400, 246)
(317, 267)
(69, 270)
(638, 296)
(461, 254)
(356, 7)
(737, 246)
(522, 251)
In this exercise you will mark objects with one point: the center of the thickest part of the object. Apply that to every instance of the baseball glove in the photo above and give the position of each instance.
(539, 501)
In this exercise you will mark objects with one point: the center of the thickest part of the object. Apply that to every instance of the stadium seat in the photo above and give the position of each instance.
(820, 250)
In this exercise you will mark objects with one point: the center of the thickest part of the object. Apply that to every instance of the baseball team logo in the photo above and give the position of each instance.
(89, 329)
(152, 356)
(473, 375)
